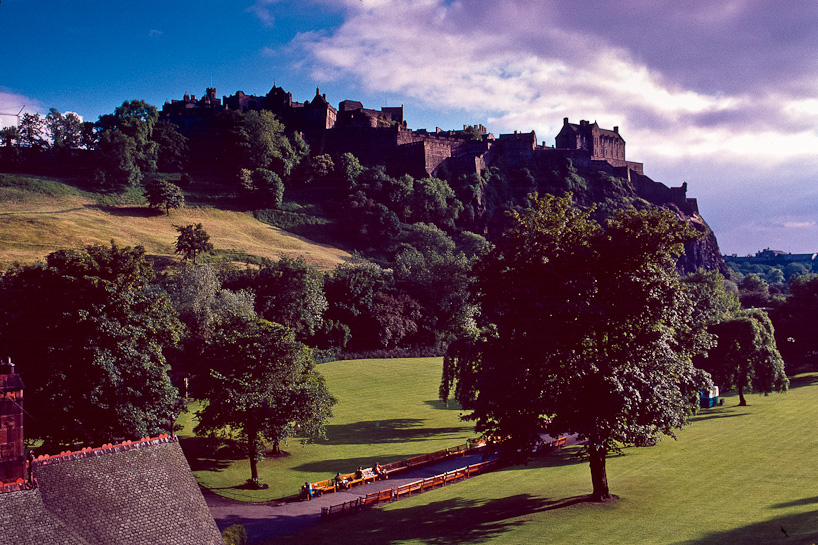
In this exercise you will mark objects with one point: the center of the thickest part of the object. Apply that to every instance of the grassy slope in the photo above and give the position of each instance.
(38, 216)
(737, 476)
(387, 410)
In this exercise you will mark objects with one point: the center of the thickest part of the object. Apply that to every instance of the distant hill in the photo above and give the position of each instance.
(39, 215)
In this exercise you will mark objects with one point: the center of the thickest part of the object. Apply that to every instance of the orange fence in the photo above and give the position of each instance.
(322, 487)
(416, 487)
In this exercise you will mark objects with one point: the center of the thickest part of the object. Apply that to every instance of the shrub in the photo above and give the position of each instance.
(235, 535)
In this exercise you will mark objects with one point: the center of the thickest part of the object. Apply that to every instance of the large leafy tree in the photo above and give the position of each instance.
(796, 320)
(263, 388)
(125, 149)
(585, 331)
(290, 292)
(32, 131)
(746, 356)
(172, 147)
(89, 331)
(64, 130)
(164, 194)
(192, 241)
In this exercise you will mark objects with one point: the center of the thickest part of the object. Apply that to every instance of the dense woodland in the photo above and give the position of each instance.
(426, 251)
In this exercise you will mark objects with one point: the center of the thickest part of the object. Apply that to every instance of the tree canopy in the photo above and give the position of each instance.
(89, 332)
(263, 387)
(192, 241)
(164, 194)
(584, 330)
(745, 356)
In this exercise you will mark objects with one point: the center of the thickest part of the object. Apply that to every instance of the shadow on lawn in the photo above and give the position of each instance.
(799, 529)
(722, 411)
(450, 521)
(702, 418)
(396, 430)
(207, 454)
(803, 380)
(795, 503)
(439, 404)
(127, 211)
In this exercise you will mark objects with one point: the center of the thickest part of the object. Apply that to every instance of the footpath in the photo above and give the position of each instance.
(280, 518)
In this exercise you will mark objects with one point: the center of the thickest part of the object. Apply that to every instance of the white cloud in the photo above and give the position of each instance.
(11, 103)
(508, 64)
(261, 9)
(721, 96)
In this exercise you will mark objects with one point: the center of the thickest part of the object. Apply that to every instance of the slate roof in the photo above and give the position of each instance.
(142, 495)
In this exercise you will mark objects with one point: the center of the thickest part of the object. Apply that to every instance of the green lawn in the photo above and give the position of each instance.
(737, 475)
(387, 410)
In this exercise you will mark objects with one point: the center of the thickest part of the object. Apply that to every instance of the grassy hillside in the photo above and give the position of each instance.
(738, 475)
(39, 215)
(387, 410)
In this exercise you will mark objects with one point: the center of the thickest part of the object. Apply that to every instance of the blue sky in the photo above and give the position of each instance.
(721, 95)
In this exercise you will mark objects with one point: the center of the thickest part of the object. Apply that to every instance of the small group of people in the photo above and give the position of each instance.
(342, 483)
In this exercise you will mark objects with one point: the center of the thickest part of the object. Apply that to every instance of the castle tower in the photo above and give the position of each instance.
(12, 458)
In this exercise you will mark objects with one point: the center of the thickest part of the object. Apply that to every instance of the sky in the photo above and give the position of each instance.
(721, 95)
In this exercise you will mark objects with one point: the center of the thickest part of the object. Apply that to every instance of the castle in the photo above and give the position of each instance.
(383, 137)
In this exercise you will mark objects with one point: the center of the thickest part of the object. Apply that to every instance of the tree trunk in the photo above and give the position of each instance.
(599, 477)
(741, 401)
(252, 448)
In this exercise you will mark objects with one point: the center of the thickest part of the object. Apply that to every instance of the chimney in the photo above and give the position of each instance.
(12, 459)
(616, 130)
(564, 121)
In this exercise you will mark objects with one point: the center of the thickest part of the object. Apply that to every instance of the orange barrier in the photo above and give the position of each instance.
(321, 487)
(416, 487)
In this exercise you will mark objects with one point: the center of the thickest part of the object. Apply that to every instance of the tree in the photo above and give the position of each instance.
(204, 307)
(712, 303)
(263, 186)
(162, 193)
(116, 155)
(746, 356)
(263, 387)
(32, 131)
(754, 291)
(64, 131)
(89, 332)
(291, 292)
(350, 291)
(10, 136)
(584, 331)
(349, 169)
(796, 320)
(125, 149)
(263, 144)
(172, 147)
(192, 241)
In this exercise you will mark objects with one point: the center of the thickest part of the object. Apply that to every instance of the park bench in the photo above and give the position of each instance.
(394, 467)
(320, 487)
(374, 498)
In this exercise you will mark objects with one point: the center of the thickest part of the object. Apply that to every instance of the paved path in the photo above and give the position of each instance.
(274, 519)
(279, 518)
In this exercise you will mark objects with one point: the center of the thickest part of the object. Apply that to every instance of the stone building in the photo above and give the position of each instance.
(600, 145)
(136, 492)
